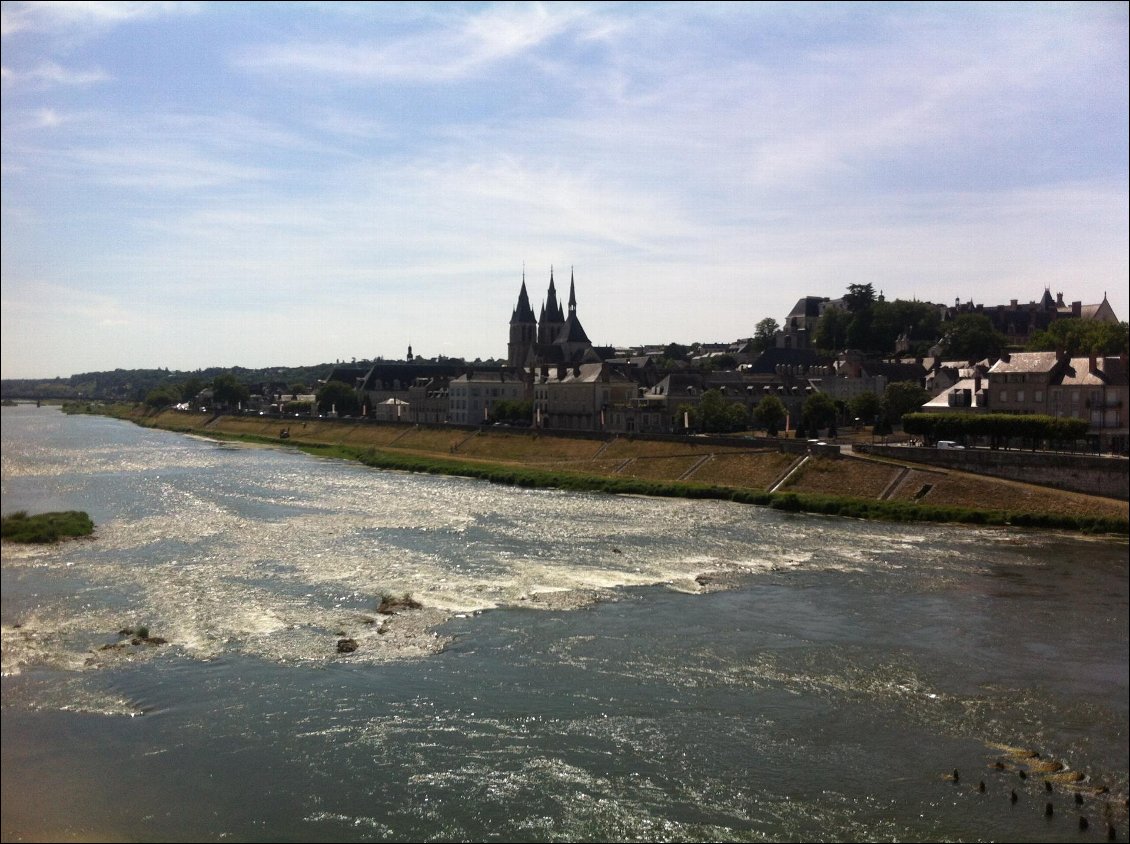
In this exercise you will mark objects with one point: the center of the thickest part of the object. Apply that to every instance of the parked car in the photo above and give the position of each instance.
(948, 444)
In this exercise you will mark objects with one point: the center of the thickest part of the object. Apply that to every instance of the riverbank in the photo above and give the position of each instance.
(849, 486)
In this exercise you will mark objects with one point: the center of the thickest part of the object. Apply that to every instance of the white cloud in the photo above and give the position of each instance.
(50, 17)
(464, 44)
(50, 74)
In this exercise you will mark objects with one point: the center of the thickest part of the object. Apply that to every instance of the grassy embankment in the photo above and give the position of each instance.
(847, 487)
(45, 527)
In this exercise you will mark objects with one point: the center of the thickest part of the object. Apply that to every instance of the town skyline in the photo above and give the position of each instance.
(198, 185)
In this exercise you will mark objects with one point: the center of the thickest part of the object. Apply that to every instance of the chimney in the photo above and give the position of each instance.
(1059, 300)
(1076, 309)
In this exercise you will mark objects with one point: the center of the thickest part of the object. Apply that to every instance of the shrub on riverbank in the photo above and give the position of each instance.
(46, 527)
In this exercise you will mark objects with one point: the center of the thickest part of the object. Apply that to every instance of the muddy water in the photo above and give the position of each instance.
(583, 667)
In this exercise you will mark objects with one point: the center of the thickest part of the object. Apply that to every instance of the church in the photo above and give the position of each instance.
(554, 338)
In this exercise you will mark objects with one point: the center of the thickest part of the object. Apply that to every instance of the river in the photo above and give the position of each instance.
(583, 667)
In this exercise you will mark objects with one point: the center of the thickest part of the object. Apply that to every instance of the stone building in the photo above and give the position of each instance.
(554, 337)
(1019, 322)
(472, 395)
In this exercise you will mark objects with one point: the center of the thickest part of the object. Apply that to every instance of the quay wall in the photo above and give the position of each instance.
(1094, 475)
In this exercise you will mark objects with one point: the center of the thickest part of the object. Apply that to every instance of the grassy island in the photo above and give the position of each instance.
(46, 527)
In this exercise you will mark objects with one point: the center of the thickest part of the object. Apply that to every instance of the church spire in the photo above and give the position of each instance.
(522, 311)
(552, 308)
(572, 293)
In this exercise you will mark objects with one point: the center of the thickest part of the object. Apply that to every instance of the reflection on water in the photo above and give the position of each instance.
(567, 678)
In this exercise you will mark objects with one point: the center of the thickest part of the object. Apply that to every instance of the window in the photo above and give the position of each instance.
(1020, 396)
(1004, 396)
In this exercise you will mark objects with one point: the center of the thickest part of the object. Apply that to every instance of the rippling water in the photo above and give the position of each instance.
(584, 667)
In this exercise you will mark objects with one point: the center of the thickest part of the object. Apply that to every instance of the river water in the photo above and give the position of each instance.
(584, 667)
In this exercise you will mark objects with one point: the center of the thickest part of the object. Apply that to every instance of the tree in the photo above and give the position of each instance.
(1082, 337)
(338, 396)
(676, 352)
(819, 411)
(831, 331)
(763, 334)
(191, 388)
(227, 390)
(865, 407)
(920, 321)
(716, 414)
(770, 413)
(860, 297)
(161, 397)
(860, 334)
(972, 337)
(723, 363)
(506, 410)
(900, 398)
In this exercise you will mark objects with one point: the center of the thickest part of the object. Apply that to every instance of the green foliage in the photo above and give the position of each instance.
(229, 391)
(161, 397)
(45, 527)
(998, 428)
(859, 298)
(135, 384)
(875, 327)
(339, 396)
(770, 413)
(191, 388)
(819, 411)
(900, 398)
(511, 411)
(763, 334)
(832, 330)
(920, 321)
(865, 407)
(972, 337)
(716, 414)
(1081, 337)
(722, 363)
(674, 351)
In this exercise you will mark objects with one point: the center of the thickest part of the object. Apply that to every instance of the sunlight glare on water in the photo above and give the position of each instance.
(583, 666)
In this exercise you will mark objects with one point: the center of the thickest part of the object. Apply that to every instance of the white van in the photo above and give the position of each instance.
(948, 444)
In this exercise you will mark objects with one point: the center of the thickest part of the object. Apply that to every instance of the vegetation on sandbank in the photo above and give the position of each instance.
(46, 527)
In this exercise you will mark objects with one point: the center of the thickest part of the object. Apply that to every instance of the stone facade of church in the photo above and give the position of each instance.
(556, 337)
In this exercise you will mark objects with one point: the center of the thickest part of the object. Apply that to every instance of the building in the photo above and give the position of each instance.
(1093, 388)
(1019, 322)
(472, 396)
(579, 397)
(555, 337)
(800, 324)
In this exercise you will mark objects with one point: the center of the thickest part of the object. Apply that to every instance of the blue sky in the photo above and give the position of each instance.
(189, 185)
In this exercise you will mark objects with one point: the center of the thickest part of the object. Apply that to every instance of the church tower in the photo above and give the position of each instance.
(552, 318)
(523, 330)
(572, 339)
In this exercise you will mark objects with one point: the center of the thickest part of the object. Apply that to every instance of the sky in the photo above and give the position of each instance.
(189, 185)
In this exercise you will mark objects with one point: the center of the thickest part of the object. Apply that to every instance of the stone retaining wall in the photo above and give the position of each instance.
(1107, 476)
